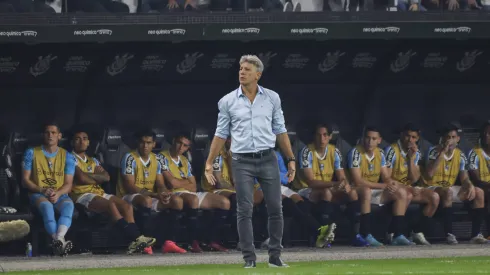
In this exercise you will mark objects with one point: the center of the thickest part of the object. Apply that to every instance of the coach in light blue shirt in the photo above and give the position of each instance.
(253, 116)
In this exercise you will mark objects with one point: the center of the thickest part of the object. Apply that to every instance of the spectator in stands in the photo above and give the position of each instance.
(479, 163)
(87, 191)
(402, 163)
(445, 163)
(141, 184)
(367, 165)
(293, 204)
(50, 185)
(319, 163)
(13, 230)
(178, 175)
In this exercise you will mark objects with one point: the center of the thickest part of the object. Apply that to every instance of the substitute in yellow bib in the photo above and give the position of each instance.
(402, 162)
(446, 163)
(47, 174)
(368, 171)
(178, 175)
(141, 184)
(86, 191)
(321, 179)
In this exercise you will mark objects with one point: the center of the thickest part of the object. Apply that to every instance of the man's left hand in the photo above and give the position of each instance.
(54, 197)
(291, 171)
(469, 192)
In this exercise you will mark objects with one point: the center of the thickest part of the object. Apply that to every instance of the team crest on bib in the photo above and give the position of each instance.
(147, 173)
(322, 166)
(89, 169)
(216, 165)
(371, 167)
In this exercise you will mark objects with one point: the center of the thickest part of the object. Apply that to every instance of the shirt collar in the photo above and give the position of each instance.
(239, 91)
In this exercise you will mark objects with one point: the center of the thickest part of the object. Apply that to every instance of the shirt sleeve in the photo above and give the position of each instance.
(28, 158)
(159, 164)
(473, 160)
(163, 162)
(223, 124)
(463, 162)
(432, 155)
(417, 158)
(337, 162)
(218, 164)
(128, 164)
(306, 158)
(70, 164)
(383, 158)
(189, 173)
(282, 168)
(354, 159)
(97, 162)
(278, 123)
(390, 157)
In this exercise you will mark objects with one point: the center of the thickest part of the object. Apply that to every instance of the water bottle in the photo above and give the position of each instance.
(29, 250)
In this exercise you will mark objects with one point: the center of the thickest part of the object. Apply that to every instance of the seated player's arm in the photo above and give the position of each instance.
(217, 165)
(414, 169)
(100, 175)
(473, 164)
(192, 184)
(306, 168)
(83, 178)
(390, 160)
(463, 172)
(69, 172)
(26, 173)
(283, 170)
(128, 164)
(435, 158)
(160, 181)
(174, 183)
(354, 164)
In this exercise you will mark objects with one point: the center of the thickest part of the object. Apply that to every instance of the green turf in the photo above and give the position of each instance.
(463, 266)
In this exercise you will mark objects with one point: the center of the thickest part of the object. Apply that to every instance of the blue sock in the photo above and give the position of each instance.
(47, 212)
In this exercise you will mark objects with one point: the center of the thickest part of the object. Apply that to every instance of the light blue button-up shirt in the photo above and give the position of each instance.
(253, 126)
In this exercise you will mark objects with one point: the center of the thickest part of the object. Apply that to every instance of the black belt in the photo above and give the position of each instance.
(258, 154)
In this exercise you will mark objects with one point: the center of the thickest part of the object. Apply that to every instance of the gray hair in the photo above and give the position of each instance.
(254, 60)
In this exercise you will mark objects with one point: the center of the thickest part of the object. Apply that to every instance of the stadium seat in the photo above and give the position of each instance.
(161, 142)
(200, 145)
(112, 150)
(341, 144)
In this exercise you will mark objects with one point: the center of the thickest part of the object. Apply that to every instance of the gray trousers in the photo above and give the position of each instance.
(266, 170)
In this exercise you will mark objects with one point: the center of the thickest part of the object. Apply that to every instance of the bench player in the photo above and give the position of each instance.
(87, 191)
(47, 174)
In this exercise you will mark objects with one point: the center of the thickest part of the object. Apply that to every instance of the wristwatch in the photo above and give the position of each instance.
(288, 160)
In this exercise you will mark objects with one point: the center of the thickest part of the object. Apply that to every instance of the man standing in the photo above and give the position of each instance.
(253, 116)
(47, 174)
(87, 191)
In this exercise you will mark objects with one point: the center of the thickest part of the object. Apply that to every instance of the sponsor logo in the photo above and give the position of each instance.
(453, 30)
(201, 136)
(330, 62)
(153, 63)
(42, 65)
(309, 31)
(381, 30)
(241, 31)
(119, 64)
(402, 61)
(19, 33)
(167, 32)
(8, 65)
(77, 64)
(50, 182)
(222, 61)
(295, 61)
(434, 60)
(113, 137)
(92, 32)
(189, 62)
(363, 60)
(468, 60)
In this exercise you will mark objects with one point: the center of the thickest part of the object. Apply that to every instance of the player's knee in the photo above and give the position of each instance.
(194, 202)
(126, 208)
(401, 194)
(325, 194)
(148, 202)
(353, 196)
(364, 193)
(479, 194)
(434, 199)
(448, 195)
(224, 203)
(409, 196)
(177, 203)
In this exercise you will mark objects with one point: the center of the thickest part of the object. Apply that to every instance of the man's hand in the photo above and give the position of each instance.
(414, 7)
(392, 187)
(164, 197)
(54, 197)
(47, 192)
(469, 192)
(172, 4)
(99, 169)
(208, 173)
(345, 186)
(412, 150)
(416, 191)
(291, 171)
(453, 5)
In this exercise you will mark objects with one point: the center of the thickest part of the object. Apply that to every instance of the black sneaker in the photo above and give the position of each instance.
(249, 264)
(277, 262)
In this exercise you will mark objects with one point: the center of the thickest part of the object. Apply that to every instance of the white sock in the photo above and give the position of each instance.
(62, 229)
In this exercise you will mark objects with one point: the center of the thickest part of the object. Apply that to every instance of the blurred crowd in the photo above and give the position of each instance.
(169, 6)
